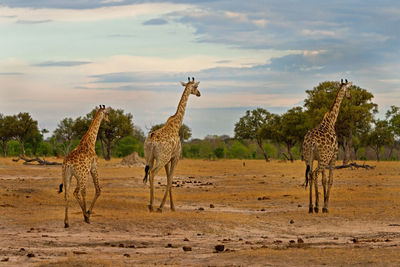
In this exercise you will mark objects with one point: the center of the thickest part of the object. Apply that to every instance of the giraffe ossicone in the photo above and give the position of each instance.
(321, 144)
(162, 147)
(81, 163)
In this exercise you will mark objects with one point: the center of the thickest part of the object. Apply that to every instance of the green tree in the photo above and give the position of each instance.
(64, 134)
(249, 127)
(25, 127)
(381, 135)
(184, 132)
(126, 146)
(6, 131)
(355, 114)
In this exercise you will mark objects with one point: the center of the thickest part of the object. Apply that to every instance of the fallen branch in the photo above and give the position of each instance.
(355, 165)
(37, 159)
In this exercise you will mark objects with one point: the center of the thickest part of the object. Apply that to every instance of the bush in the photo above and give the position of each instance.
(126, 146)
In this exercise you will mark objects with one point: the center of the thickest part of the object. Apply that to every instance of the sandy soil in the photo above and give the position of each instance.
(259, 212)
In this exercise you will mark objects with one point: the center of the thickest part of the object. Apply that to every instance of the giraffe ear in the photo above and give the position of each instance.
(183, 84)
(196, 83)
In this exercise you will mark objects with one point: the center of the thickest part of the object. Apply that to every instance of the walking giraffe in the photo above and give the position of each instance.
(321, 144)
(162, 147)
(82, 162)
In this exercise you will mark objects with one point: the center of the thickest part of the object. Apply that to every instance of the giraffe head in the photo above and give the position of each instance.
(192, 86)
(105, 111)
(346, 87)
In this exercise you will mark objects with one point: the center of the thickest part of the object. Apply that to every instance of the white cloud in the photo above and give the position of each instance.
(96, 14)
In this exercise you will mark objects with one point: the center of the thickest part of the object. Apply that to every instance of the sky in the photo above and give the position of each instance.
(62, 58)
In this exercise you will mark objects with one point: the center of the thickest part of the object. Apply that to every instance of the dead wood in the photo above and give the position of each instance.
(28, 161)
(355, 165)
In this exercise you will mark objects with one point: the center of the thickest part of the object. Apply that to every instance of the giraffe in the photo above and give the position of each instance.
(162, 147)
(82, 162)
(321, 144)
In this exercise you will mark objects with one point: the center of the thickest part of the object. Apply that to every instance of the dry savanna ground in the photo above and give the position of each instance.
(258, 212)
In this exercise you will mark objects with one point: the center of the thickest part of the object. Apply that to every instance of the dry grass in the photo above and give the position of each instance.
(364, 205)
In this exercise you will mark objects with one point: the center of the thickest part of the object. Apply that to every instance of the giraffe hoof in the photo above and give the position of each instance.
(87, 220)
(172, 209)
(325, 210)
(66, 225)
(316, 210)
(159, 210)
(150, 208)
(310, 210)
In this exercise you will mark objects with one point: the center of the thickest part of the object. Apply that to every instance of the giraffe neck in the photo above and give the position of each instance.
(175, 121)
(331, 116)
(89, 139)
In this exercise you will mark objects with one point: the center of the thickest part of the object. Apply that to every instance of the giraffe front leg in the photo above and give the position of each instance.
(174, 162)
(324, 209)
(316, 208)
(330, 182)
(95, 177)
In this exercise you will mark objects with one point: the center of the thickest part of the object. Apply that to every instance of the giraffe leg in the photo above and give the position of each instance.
(325, 192)
(310, 207)
(80, 195)
(174, 163)
(95, 177)
(330, 182)
(167, 171)
(67, 176)
(316, 207)
(153, 172)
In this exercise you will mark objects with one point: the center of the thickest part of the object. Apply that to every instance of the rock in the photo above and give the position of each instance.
(300, 241)
(299, 206)
(169, 245)
(21, 249)
(212, 206)
(121, 245)
(186, 239)
(30, 255)
(187, 248)
(355, 240)
(5, 259)
(219, 248)
(291, 222)
(131, 246)
(201, 208)
(127, 255)
(292, 241)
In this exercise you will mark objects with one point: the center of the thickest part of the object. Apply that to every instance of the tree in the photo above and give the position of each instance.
(64, 134)
(6, 133)
(24, 128)
(249, 127)
(184, 132)
(381, 135)
(355, 114)
(393, 118)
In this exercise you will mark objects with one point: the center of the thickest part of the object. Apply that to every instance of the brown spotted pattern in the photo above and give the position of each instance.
(162, 147)
(321, 144)
(82, 163)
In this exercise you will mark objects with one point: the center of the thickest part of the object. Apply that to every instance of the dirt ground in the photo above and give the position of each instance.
(258, 212)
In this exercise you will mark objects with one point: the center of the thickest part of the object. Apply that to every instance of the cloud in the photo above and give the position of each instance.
(34, 21)
(96, 13)
(155, 22)
(61, 63)
(10, 73)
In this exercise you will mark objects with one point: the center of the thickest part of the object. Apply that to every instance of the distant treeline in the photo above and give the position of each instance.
(258, 134)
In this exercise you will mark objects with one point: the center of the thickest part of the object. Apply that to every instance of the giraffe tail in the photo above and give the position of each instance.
(307, 171)
(60, 189)
(146, 169)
